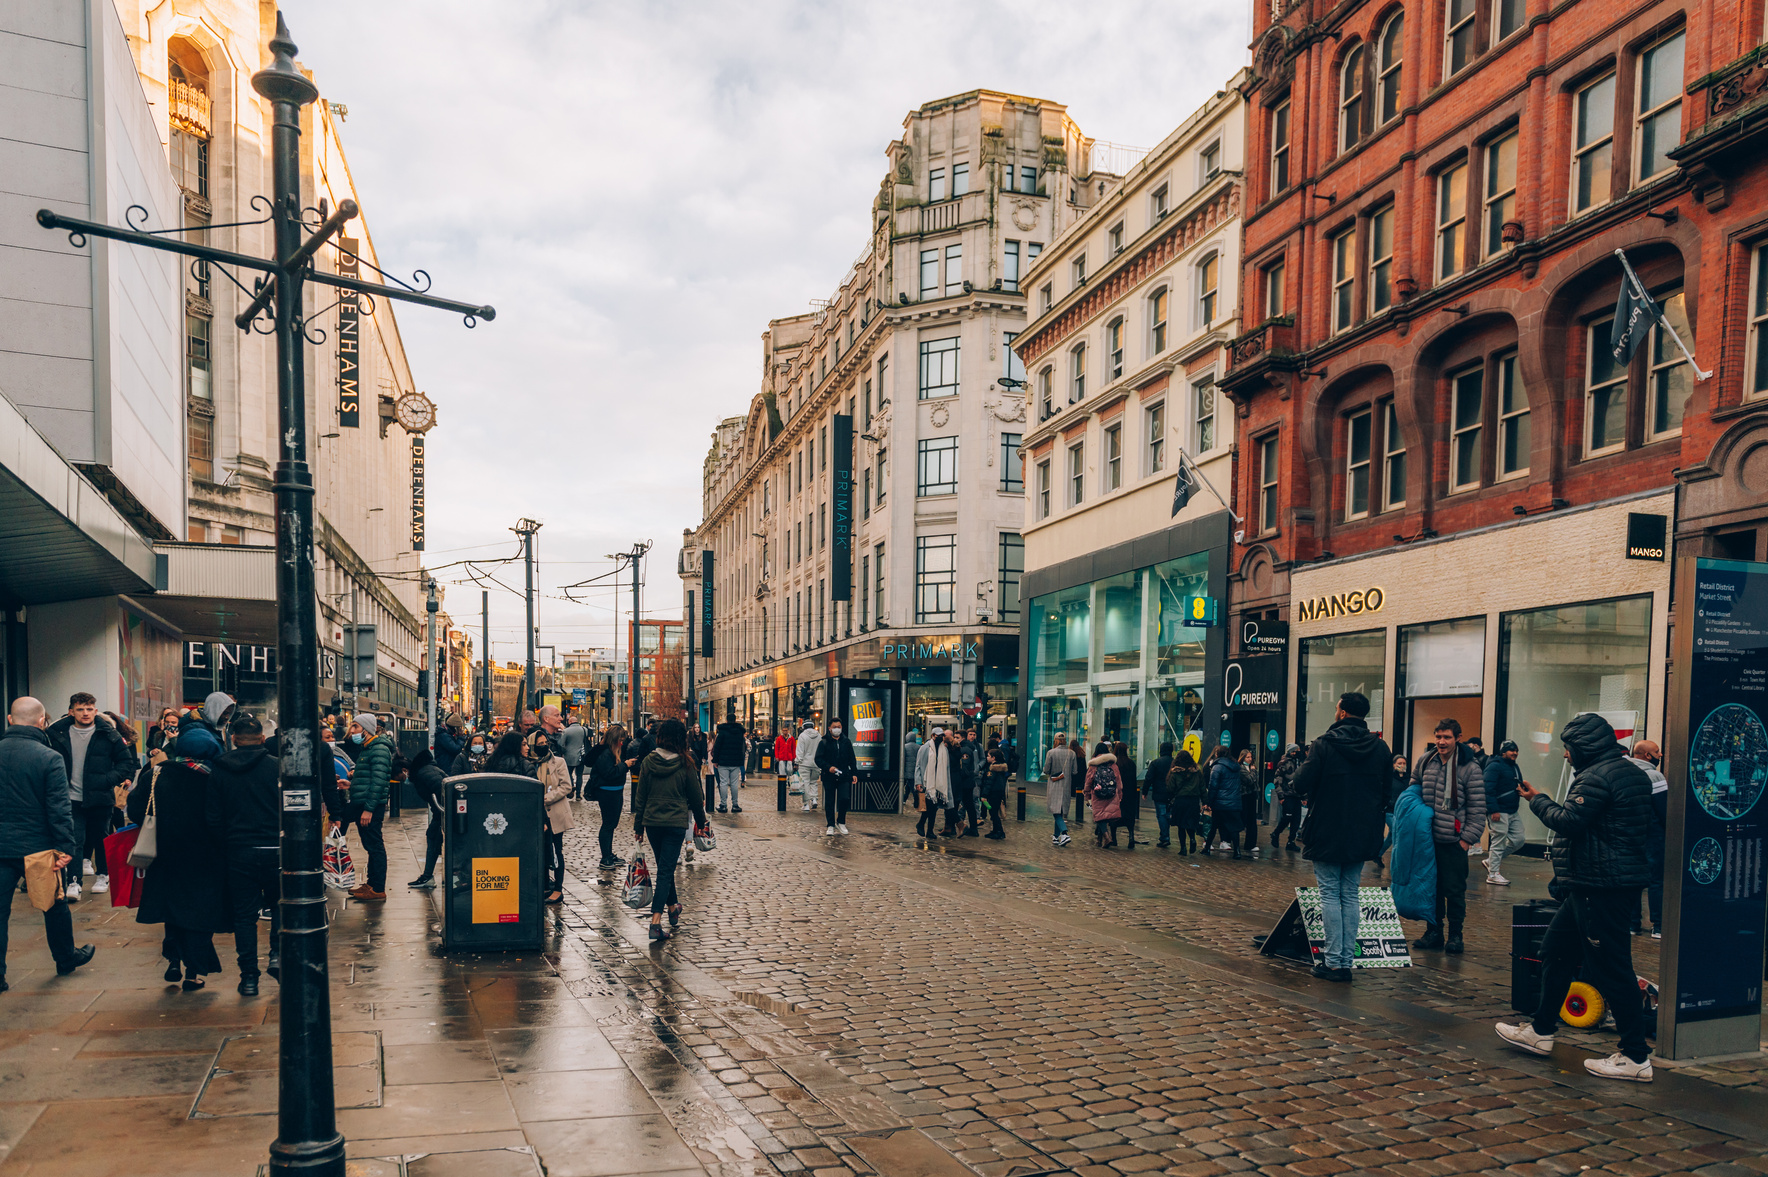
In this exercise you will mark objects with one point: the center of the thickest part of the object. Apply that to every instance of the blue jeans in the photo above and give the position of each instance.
(1164, 819)
(1061, 824)
(729, 777)
(1339, 883)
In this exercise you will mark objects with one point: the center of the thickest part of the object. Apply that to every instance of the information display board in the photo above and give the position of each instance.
(872, 710)
(870, 720)
(1720, 907)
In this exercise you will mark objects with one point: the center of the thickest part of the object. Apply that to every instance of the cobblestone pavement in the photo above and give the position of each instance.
(881, 1004)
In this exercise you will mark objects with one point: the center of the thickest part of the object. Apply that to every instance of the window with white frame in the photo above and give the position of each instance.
(1274, 293)
(1466, 422)
(1757, 384)
(1113, 472)
(960, 179)
(1593, 145)
(1668, 377)
(1043, 489)
(1077, 271)
(1046, 298)
(1391, 56)
(929, 273)
(1605, 393)
(1154, 438)
(1500, 191)
(1203, 415)
(1159, 203)
(1451, 228)
(1114, 239)
(1279, 140)
(1393, 452)
(1344, 275)
(937, 472)
(1077, 373)
(936, 184)
(1208, 280)
(1381, 259)
(1358, 454)
(1157, 313)
(1458, 30)
(1046, 381)
(936, 577)
(1114, 349)
(1209, 161)
(1507, 18)
(1513, 419)
(1350, 100)
(1077, 474)
(1267, 484)
(1658, 117)
(954, 270)
(1010, 267)
(939, 368)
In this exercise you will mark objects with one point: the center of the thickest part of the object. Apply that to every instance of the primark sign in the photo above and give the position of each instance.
(933, 650)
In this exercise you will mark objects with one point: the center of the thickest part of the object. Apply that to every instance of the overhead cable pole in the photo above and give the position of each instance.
(485, 660)
(308, 1143)
(526, 529)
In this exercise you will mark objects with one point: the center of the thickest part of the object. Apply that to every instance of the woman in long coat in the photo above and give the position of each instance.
(1106, 811)
(186, 886)
(1131, 808)
(556, 778)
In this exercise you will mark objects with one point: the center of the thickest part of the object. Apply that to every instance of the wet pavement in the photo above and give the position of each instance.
(873, 1004)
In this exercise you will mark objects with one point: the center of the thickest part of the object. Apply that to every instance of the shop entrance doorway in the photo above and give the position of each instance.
(1424, 714)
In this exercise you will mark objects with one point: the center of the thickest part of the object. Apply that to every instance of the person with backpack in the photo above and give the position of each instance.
(1184, 799)
(1224, 801)
(1283, 792)
(1104, 793)
(1344, 782)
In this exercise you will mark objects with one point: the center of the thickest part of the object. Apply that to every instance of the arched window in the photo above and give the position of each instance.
(1350, 100)
(1392, 50)
(1208, 280)
(1157, 307)
(1077, 373)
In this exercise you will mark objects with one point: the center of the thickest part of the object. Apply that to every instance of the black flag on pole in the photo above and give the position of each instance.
(1184, 486)
(1635, 312)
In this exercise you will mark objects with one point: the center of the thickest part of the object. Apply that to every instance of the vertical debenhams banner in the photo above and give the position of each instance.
(841, 558)
(706, 613)
(349, 340)
(417, 492)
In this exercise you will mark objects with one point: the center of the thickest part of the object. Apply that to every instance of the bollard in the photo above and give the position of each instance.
(780, 797)
(1021, 802)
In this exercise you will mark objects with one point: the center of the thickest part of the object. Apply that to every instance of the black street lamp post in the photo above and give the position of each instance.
(308, 1143)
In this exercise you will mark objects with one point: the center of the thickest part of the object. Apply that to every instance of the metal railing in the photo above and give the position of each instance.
(1116, 158)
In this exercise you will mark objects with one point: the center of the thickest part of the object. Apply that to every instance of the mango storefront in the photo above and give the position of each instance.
(1511, 630)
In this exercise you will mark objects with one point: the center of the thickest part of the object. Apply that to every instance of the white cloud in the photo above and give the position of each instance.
(638, 187)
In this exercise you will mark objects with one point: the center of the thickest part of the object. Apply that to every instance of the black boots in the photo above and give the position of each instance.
(1453, 944)
(1432, 940)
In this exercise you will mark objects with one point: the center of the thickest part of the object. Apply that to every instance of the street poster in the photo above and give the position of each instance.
(1300, 934)
(1720, 939)
(496, 896)
(869, 725)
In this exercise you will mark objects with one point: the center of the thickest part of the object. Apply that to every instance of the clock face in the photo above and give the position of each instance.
(416, 412)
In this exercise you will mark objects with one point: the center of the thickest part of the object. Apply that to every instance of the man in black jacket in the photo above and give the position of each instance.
(1602, 860)
(427, 778)
(245, 812)
(1154, 788)
(35, 815)
(1344, 782)
(836, 763)
(97, 760)
(729, 748)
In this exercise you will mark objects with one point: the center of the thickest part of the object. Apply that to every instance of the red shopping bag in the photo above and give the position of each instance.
(125, 885)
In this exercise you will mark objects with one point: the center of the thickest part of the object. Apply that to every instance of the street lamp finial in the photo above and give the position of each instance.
(282, 80)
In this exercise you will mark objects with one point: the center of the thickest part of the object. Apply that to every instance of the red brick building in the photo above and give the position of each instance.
(1427, 400)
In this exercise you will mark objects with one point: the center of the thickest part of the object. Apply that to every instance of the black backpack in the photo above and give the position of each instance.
(1106, 788)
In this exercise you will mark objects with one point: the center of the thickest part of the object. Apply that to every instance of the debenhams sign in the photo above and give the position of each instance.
(1350, 604)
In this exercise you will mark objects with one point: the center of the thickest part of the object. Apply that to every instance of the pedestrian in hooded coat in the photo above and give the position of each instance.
(1131, 806)
(245, 813)
(666, 803)
(1283, 792)
(1601, 858)
(1104, 794)
(1344, 783)
(1184, 799)
(430, 782)
(1224, 801)
(185, 887)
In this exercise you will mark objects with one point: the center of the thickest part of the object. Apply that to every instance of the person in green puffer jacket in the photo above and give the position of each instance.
(370, 785)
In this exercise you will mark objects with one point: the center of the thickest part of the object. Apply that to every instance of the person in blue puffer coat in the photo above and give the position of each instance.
(1224, 800)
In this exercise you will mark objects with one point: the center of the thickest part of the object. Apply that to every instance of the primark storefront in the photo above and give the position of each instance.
(1108, 653)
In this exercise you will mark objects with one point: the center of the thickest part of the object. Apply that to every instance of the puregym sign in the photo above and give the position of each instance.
(1352, 604)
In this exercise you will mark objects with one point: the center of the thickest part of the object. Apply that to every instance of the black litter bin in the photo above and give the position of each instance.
(495, 862)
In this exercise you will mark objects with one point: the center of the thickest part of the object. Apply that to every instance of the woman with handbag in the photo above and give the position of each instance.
(555, 778)
(186, 883)
(666, 803)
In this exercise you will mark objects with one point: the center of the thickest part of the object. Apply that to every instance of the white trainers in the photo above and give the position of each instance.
(1487, 863)
(840, 827)
(1619, 1066)
(73, 892)
(1064, 840)
(86, 867)
(1522, 1036)
(807, 807)
(101, 884)
(829, 833)
(1497, 880)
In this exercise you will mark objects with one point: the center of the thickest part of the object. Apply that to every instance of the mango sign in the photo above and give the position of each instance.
(1369, 600)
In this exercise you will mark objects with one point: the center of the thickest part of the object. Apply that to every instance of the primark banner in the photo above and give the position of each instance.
(706, 613)
(841, 559)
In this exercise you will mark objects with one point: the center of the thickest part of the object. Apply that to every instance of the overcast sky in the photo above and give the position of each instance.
(637, 188)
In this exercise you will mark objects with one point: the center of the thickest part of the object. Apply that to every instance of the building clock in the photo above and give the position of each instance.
(415, 412)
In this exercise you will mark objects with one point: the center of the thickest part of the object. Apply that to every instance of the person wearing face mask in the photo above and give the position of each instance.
(370, 785)
(835, 765)
(555, 778)
(472, 758)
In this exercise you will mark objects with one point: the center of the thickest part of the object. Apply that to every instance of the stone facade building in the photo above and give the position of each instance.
(1133, 306)
(1441, 455)
(912, 348)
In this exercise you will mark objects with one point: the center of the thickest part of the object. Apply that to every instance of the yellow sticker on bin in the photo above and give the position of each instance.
(496, 896)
